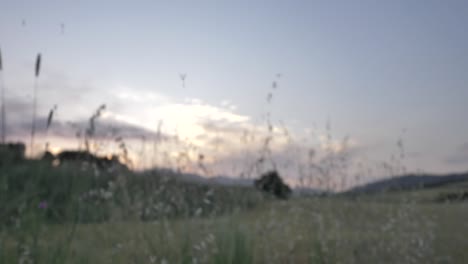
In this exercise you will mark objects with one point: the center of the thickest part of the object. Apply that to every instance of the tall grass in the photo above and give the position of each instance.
(77, 213)
(74, 214)
(34, 113)
(91, 130)
(37, 197)
(50, 118)
(233, 245)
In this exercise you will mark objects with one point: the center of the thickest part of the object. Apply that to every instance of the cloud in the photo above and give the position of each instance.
(222, 126)
(19, 122)
(231, 143)
(191, 118)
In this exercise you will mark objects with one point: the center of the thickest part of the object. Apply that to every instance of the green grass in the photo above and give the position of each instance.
(237, 225)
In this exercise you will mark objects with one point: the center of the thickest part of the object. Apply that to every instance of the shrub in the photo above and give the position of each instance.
(271, 182)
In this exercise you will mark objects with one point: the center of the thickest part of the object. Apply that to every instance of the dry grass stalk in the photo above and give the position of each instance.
(33, 126)
(51, 116)
(38, 65)
(49, 123)
(92, 126)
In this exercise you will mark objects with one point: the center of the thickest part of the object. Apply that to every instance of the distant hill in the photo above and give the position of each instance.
(231, 181)
(223, 180)
(217, 180)
(411, 181)
(196, 178)
(309, 191)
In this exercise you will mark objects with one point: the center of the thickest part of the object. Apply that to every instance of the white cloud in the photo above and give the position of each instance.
(227, 139)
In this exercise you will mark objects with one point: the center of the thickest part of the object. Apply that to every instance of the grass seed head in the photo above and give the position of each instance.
(51, 116)
(38, 65)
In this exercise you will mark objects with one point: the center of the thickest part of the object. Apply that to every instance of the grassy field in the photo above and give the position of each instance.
(78, 215)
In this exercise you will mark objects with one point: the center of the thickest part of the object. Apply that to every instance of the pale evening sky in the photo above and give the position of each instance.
(379, 71)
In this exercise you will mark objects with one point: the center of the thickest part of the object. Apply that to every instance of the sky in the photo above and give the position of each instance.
(384, 80)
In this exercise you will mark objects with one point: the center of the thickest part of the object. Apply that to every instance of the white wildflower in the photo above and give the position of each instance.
(198, 212)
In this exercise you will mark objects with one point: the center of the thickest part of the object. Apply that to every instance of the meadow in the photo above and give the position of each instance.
(78, 214)
(134, 115)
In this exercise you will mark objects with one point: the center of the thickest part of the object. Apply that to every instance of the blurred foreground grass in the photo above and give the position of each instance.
(78, 215)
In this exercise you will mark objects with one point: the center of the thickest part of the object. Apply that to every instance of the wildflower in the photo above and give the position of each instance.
(198, 212)
(43, 205)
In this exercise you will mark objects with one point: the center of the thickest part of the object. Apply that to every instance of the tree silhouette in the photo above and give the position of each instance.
(272, 183)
